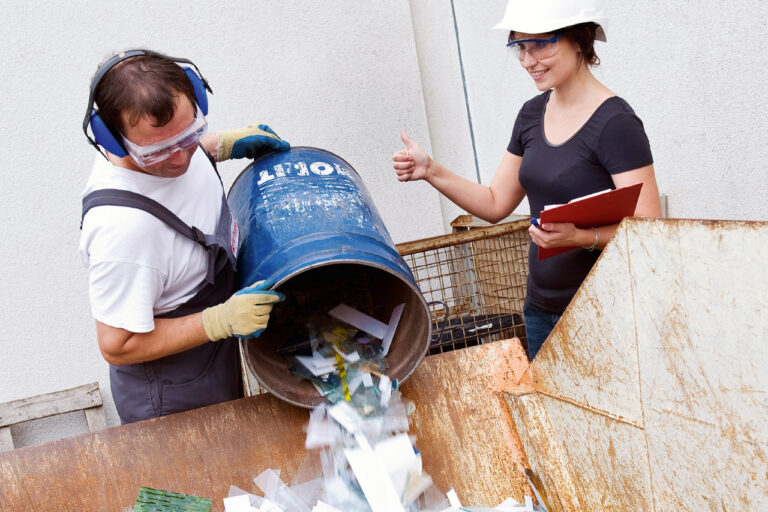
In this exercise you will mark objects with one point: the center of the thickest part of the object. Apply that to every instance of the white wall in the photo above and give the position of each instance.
(345, 76)
(440, 65)
(339, 75)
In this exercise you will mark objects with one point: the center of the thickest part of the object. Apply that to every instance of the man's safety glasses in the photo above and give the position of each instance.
(152, 154)
(536, 48)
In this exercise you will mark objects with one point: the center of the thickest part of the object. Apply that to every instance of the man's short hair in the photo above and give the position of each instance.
(145, 85)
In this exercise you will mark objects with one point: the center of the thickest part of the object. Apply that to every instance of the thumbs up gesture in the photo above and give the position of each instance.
(411, 163)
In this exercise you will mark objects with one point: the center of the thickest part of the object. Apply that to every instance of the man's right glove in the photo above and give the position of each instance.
(249, 142)
(244, 314)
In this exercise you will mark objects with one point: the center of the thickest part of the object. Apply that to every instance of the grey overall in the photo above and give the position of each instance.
(204, 375)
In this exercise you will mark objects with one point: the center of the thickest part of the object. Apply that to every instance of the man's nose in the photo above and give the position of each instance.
(178, 157)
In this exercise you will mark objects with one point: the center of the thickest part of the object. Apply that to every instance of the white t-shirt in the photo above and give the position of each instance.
(139, 267)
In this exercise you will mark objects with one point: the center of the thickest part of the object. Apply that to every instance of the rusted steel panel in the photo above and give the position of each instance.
(587, 461)
(463, 426)
(698, 466)
(702, 321)
(462, 422)
(654, 384)
(538, 438)
(198, 452)
(590, 361)
(470, 221)
(702, 332)
(437, 242)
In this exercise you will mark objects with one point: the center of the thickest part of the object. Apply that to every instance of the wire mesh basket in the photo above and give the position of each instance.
(474, 280)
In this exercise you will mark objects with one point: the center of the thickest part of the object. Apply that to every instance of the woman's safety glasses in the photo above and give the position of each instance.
(152, 154)
(536, 48)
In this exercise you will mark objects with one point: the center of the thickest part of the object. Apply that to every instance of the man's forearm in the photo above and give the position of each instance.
(170, 336)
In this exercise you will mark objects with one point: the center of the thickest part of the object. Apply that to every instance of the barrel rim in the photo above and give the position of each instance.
(411, 285)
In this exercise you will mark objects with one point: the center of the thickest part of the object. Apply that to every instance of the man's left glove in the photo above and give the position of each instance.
(249, 142)
(245, 314)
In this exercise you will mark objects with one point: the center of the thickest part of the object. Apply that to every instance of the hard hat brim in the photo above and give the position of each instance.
(544, 28)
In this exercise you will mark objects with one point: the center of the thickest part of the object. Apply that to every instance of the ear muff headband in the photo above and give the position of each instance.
(105, 136)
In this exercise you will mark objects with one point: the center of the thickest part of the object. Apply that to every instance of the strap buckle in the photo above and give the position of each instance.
(199, 236)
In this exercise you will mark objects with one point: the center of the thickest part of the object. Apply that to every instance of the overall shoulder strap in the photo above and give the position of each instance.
(213, 163)
(117, 197)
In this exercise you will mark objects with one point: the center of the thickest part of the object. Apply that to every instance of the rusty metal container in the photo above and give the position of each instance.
(651, 393)
(464, 433)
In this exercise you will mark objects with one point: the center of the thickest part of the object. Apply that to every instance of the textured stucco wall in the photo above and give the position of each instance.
(339, 75)
(435, 33)
(692, 73)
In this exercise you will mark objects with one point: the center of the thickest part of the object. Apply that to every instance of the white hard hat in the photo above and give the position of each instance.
(544, 16)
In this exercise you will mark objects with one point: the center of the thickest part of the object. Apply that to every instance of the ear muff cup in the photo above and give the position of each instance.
(200, 95)
(104, 136)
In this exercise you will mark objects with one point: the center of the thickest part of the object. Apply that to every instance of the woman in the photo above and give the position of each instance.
(575, 138)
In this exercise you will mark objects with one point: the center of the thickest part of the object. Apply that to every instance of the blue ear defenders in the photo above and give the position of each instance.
(108, 138)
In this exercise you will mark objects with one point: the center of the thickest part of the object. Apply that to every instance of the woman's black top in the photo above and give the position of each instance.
(610, 142)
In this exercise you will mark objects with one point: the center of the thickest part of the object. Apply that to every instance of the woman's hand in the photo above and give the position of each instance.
(411, 163)
(560, 234)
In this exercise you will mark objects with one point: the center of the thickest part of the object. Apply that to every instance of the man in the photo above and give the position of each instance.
(158, 239)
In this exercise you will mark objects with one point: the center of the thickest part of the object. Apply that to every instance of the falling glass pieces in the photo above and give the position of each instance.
(359, 320)
(365, 459)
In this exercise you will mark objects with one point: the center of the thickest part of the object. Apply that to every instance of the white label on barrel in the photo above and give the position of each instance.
(264, 177)
(340, 170)
(321, 168)
(301, 168)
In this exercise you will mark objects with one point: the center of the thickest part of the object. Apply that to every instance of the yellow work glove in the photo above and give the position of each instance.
(249, 142)
(244, 314)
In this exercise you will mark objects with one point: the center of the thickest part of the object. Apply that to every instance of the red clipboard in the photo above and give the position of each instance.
(608, 207)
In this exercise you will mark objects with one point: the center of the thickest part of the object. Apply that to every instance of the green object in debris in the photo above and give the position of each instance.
(153, 500)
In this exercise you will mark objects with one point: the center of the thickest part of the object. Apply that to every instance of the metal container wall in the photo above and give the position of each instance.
(308, 224)
(651, 393)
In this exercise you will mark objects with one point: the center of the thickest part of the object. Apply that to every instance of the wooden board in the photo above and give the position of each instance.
(41, 406)
(86, 398)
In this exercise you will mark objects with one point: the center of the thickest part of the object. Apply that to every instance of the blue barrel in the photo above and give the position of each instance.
(308, 224)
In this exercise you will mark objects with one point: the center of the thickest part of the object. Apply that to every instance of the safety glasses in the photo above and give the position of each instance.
(536, 48)
(152, 154)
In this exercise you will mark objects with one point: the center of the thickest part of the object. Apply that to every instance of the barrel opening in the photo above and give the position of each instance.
(314, 291)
